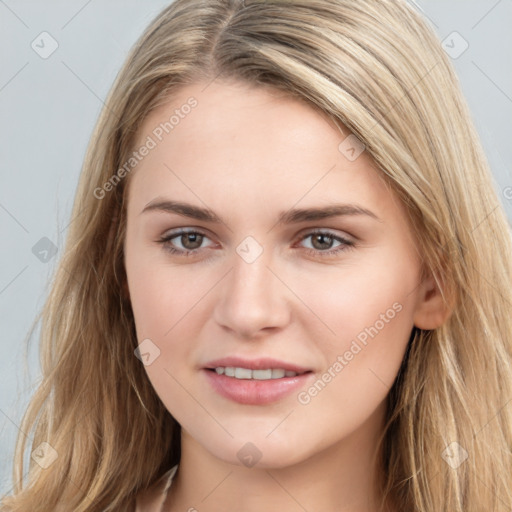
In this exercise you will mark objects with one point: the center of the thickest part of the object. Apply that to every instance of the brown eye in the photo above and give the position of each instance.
(321, 243)
(191, 241)
(183, 242)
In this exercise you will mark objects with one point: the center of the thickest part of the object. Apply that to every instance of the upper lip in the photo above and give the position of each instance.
(255, 364)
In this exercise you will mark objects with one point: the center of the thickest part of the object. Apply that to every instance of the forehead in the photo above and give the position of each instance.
(232, 113)
(225, 137)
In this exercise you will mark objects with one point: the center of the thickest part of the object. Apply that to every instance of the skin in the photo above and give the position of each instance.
(248, 154)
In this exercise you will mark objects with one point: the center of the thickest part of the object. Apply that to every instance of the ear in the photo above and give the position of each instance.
(432, 310)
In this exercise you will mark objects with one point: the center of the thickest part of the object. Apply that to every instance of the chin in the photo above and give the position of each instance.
(260, 453)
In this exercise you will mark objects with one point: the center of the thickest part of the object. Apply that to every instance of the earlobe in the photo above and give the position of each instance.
(432, 309)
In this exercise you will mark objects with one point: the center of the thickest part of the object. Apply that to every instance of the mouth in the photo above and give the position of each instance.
(251, 374)
(256, 387)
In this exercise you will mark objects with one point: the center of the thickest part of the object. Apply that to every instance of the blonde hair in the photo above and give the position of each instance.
(376, 67)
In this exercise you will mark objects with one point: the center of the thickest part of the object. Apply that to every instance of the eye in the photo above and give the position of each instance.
(190, 240)
(321, 241)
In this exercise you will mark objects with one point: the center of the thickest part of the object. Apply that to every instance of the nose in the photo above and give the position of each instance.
(252, 299)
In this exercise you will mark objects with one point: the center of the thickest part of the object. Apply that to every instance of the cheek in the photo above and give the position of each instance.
(369, 310)
(359, 372)
(377, 291)
(168, 308)
(162, 301)
(159, 295)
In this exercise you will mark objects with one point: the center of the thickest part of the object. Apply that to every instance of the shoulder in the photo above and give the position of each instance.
(152, 499)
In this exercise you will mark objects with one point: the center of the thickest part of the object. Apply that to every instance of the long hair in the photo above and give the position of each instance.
(376, 67)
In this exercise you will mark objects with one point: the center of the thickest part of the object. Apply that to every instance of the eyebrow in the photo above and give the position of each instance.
(291, 216)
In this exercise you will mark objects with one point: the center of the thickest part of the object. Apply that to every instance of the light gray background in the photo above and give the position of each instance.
(48, 108)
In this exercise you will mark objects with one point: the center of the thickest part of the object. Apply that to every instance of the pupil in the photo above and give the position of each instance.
(321, 237)
(196, 239)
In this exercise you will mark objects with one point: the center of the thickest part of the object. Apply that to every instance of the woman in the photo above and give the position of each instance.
(203, 349)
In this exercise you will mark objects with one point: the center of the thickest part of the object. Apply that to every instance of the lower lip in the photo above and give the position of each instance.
(253, 391)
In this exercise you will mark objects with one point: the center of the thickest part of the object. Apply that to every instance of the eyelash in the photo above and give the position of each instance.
(345, 243)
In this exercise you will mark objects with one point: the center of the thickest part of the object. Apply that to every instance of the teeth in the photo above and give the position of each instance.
(278, 373)
(243, 373)
(246, 373)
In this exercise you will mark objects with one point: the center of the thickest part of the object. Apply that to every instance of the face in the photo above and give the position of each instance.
(248, 266)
